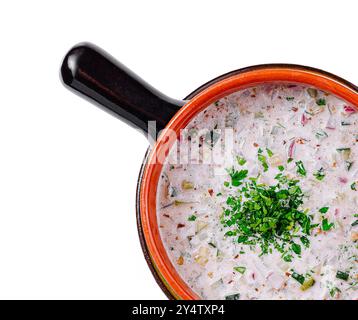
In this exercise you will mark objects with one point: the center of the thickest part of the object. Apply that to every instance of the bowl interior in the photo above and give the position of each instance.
(237, 81)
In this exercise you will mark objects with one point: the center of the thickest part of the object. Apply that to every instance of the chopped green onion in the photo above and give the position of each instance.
(192, 218)
(298, 277)
(240, 269)
(300, 168)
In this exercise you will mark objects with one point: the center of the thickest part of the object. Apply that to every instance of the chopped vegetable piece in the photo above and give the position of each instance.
(300, 168)
(312, 92)
(192, 218)
(345, 152)
(187, 185)
(235, 296)
(240, 269)
(326, 226)
(308, 284)
(321, 102)
(342, 275)
(321, 134)
(237, 176)
(263, 161)
(324, 210)
(296, 248)
(241, 161)
(298, 277)
(319, 175)
(269, 152)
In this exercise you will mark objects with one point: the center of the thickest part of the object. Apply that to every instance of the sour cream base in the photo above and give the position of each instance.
(292, 121)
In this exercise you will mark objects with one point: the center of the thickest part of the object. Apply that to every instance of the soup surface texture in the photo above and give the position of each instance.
(276, 215)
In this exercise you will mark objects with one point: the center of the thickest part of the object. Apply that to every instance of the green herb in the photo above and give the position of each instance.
(319, 175)
(321, 102)
(269, 152)
(237, 176)
(298, 277)
(342, 275)
(305, 241)
(333, 291)
(219, 194)
(354, 186)
(326, 226)
(241, 161)
(324, 210)
(192, 218)
(296, 248)
(355, 223)
(287, 258)
(235, 296)
(263, 160)
(211, 244)
(240, 269)
(226, 183)
(290, 98)
(281, 168)
(300, 168)
(289, 160)
(268, 216)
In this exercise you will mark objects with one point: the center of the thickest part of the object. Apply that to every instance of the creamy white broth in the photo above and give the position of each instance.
(291, 121)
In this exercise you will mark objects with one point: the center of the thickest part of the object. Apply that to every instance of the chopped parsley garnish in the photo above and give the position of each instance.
(192, 218)
(321, 102)
(296, 248)
(324, 210)
(268, 216)
(319, 175)
(262, 159)
(290, 98)
(237, 176)
(281, 168)
(269, 152)
(300, 168)
(241, 161)
(354, 186)
(342, 275)
(326, 226)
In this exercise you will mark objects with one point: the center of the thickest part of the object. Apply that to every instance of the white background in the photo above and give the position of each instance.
(68, 171)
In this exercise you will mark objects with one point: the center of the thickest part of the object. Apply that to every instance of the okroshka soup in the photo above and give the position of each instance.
(258, 199)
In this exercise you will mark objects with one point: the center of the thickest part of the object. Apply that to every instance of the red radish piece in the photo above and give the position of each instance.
(349, 109)
(291, 148)
(343, 180)
(304, 119)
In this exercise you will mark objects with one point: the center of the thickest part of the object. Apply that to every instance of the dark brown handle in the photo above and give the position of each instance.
(90, 71)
